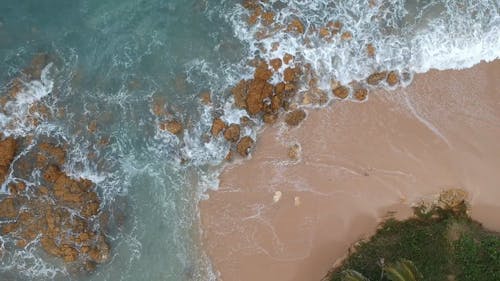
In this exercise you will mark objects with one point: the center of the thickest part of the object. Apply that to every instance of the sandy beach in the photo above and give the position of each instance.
(275, 218)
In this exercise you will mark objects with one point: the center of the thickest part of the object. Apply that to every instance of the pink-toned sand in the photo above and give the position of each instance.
(359, 161)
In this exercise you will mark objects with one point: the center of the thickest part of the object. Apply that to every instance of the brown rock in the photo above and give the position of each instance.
(257, 11)
(69, 254)
(240, 94)
(295, 117)
(232, 133)
(290, 74)
(392, 78)
(346, 36)
(375, 78)
(276, 63)
(279, 88)
(361, 94)
(205, 98)
(217, 126)
(370, 49)
(244, 145)
(8, 208)
(324, 32)
(294, 151)
(296, 26)
(8, 148)
(341, 92)
(270, 118)
(335, 26)
(229, 156)
(263, 72)
(287, 58)
(174, 127)
(267, 18)
(257, 91)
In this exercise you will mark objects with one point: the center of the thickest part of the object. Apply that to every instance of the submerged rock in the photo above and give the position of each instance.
(295, 117)
(59, 213)
(174, 127)
(296, 26)
(244, 146)
(8, 148)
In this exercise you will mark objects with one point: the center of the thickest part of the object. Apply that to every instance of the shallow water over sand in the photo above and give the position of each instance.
(358, 162)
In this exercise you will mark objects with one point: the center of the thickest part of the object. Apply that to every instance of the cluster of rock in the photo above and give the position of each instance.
(61, 212)
(45, 207)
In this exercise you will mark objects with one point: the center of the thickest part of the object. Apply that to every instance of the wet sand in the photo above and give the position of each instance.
(359, 161)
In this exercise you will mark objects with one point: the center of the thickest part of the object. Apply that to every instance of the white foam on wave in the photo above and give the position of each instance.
(14, 120)
(406, 38)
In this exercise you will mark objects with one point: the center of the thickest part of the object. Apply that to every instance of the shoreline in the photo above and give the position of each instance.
(282, 219)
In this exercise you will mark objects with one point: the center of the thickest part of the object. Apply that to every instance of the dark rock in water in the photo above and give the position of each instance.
(262, 72)
(290, 74)
(232, 133)
(217, 126)
(244, 146)
(240, 94)
(376, 78)
(269, 118)
(60, 213)
(8, 148)
(8, 209)
(174, 127)
(295, 117)
(276, 64)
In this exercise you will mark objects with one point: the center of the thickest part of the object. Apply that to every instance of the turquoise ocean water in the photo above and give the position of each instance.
(111, 60)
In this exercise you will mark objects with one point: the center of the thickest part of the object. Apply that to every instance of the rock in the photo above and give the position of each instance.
(8, 149)
(341, 92)
(346, 36)
(392, 78)
(263, 72)
(295, 117)
(335, 26)
(324, 32)
(370, 49)
(267, 18)
(254, 16)
(287, 58)
(296, 26)
(174, 127)
(361, 94)
(8, 208)
(244, 145)
(205, 98)
(240, 94)
(375, 78)
(229, 156)
(452, 198)
(276, 63)
(38, 62)
(258, 90)
(269, 118)
(232, 133)
(217, 126)
(289, 75)
(294, 151)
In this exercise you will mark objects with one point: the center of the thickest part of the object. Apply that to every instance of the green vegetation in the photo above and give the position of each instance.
(442, 244)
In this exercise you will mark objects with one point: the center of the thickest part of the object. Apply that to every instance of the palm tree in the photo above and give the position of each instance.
(402, 270)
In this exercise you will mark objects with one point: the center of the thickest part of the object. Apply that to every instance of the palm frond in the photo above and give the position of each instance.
(403, 270)
(353, 275)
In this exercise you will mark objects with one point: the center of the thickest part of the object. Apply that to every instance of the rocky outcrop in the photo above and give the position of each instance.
(217, 127)
(392, 78)
(174, 127)
(232, 133)
(244, 146)
(59, 215)
(361, 94)
(8, 148)
(295, 117)
(376, 78)
(341, 92)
